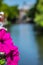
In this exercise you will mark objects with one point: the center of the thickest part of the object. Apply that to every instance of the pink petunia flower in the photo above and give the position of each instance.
(7, 46)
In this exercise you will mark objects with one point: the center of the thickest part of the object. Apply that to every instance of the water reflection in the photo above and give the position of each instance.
(39, 39)
(24, 37)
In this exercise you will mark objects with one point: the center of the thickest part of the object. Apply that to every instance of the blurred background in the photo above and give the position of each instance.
(24, 20)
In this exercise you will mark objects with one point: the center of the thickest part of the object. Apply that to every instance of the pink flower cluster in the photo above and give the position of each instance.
(7, 46)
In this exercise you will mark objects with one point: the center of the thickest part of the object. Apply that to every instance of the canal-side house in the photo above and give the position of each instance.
(23, 13)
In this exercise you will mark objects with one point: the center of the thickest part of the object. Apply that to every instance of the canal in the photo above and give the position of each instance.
(29, 43)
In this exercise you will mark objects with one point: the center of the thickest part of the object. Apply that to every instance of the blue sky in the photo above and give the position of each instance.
(19, 2)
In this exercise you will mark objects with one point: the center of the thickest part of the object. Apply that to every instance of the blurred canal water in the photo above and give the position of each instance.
(29, 43)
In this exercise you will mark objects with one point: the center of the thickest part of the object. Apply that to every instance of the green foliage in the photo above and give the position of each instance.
(13, 11)
(2, 61)
(32, 11)
(5, 8)
(10, 11)
(1, 2)
(39, 13)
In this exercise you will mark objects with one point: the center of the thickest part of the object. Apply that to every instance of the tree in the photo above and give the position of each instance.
(32, 11)
(5, 9)
(1, 1)
(13, 11)
(10, 11)
(39, 13)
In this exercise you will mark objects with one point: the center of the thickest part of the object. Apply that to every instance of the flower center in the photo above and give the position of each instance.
(2, 41)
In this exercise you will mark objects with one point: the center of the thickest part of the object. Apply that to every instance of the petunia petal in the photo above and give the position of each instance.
(6, 36)
(2, 33)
